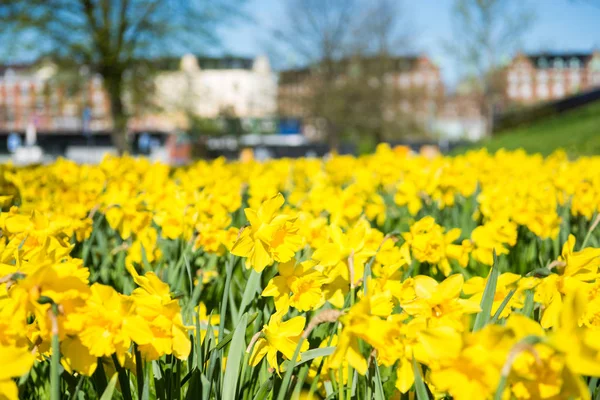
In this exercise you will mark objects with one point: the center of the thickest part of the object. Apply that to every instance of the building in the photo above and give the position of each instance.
(533, 78)
(211, 87)
(203, 87)
(413, 87)
(33, 94)
(460, 118)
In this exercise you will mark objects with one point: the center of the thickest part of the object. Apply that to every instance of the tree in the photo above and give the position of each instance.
(318, 33)
(347, 49)
(380, 33)
(117, 39)
(485, 31)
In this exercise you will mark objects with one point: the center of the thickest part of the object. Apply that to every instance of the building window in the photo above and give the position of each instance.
(574, 78)
(526, 91)
(558, 90)
(595, 64)
(559, 63)
(542, 63)
(542, 91)
(574, 63)
(513, 77)
(513, 91)
(25, 89)
(542, 77)
(418, 78)
(9, 94)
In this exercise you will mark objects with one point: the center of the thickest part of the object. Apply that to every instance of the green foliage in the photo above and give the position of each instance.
(576, 131)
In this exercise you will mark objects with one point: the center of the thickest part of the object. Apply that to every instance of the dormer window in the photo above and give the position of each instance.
(543, 63)
(559, 63)
(574, 63)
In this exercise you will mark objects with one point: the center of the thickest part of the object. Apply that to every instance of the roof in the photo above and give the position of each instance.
(15, 68)
(547, 59)
(206, 62)
(397, 63)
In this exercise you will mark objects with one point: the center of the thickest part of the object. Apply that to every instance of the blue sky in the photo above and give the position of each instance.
(572, 25)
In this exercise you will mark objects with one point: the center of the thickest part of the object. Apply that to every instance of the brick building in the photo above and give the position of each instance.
(415, 80)
(32, 93)
(532, 78)
(38, 93)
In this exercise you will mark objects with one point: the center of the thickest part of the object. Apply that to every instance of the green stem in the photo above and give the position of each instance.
(341, 379)
(224, 302)
(139, 370)
(288, 373)
(589, 232)
(55, 360)
(592, 385)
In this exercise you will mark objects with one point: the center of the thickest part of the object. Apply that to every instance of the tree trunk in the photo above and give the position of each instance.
(333, 137)
(114, 86)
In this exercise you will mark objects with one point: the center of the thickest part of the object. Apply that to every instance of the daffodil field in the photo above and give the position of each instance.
(387, 276)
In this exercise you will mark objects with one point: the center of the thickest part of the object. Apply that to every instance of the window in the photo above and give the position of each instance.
(9, 93)
(574, 78)
(542, 63)
(574, 63)
(559, 63)
(542, 77)
(595, 64)
(513, 76)
(24, 90)
(526, 91)
(418, 78)
(558, 90)
(543, 91)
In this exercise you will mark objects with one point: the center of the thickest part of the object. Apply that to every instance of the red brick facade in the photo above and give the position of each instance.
(533, 78)
(416, 76)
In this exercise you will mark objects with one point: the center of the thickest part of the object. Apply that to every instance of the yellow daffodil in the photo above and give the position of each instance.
(279, 337)
(269, 238)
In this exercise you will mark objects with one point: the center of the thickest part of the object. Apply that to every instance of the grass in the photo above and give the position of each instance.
(576, 131)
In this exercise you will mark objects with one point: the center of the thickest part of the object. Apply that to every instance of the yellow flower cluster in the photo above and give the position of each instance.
(47, 292)
(378, 264)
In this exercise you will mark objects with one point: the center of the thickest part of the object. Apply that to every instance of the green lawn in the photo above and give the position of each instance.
(576, 131)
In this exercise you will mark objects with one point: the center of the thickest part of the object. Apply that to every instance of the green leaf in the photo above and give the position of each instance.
(123, 379)
(528, 306)
(419, 384)
(315, 353)
(229, 336)
(284, 388)
(509, 296)
(251, 290)
(110, 388)
(264, 388)
(483, 317)
(379, 393)
(236, 352)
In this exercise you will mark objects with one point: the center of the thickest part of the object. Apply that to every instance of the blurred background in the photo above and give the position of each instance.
(183, 79)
